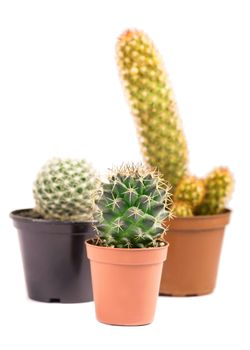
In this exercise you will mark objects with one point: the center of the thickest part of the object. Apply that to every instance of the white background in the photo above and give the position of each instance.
(60, 95)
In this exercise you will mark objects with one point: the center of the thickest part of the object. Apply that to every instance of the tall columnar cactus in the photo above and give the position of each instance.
(219, 186)
(132, 208)
(66, 190)
(190, 190)
(152, 103)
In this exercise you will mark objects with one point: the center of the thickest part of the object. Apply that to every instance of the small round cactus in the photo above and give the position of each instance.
(132, 208)
(66, 190)
(219, 186)
(182, 209)
(190, 190)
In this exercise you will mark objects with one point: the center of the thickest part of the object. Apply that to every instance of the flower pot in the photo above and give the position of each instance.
(54, 256)
(125, 283)
(193, 258)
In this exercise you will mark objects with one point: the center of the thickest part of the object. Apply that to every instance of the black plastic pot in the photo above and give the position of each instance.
(54, 257)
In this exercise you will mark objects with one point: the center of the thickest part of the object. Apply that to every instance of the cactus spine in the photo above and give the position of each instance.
(132, 208)
(66, 190)
(219, 186)
(152, 104)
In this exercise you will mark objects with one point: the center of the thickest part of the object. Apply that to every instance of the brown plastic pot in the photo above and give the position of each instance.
(194, 254)
(125, 283)
(55, 262)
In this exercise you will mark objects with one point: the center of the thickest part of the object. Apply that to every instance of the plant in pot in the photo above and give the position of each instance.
(127, 255)
(196, 233)
(52, 234)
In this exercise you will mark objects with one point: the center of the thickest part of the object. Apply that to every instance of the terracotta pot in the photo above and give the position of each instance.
(55, 262)
(194, 253)
(125, 283)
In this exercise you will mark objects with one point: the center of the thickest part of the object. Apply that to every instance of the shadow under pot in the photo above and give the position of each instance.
(194, 254)
(125, 283)
(54, 257)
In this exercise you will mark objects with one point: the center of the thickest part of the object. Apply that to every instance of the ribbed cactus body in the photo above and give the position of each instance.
(65, 190)
(182, 209)
(190, 190)
(152, 104)
(132, 208)
(219, 185)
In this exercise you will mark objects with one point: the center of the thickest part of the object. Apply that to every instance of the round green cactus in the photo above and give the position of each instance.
(182, 209)
(66, 190)
(151, 99)
(219, 186)
(190, 190)
(132, 208)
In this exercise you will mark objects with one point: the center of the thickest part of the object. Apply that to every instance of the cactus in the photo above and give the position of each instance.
(150, 95)
(219, 186)
(162, 141)
(182, 209)
(190, 190)
(132, 208)
(65, 190)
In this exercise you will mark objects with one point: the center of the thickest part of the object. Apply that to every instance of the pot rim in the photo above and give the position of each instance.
(227, 211)
(126, 249)
(198, 223)
(16, 215)
(126, 256)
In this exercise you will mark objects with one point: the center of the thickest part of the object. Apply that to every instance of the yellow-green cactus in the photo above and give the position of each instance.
(190, 190)
(219, 186)
(152, 103)
(182, 209)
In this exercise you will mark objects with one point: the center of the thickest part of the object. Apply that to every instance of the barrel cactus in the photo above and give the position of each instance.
(132, 208)
(151, 99)
(219, 186)
(65, 189)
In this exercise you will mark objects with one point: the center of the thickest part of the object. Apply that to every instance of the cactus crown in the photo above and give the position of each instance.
(133, 205)
(66, 190)
(152, 103)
